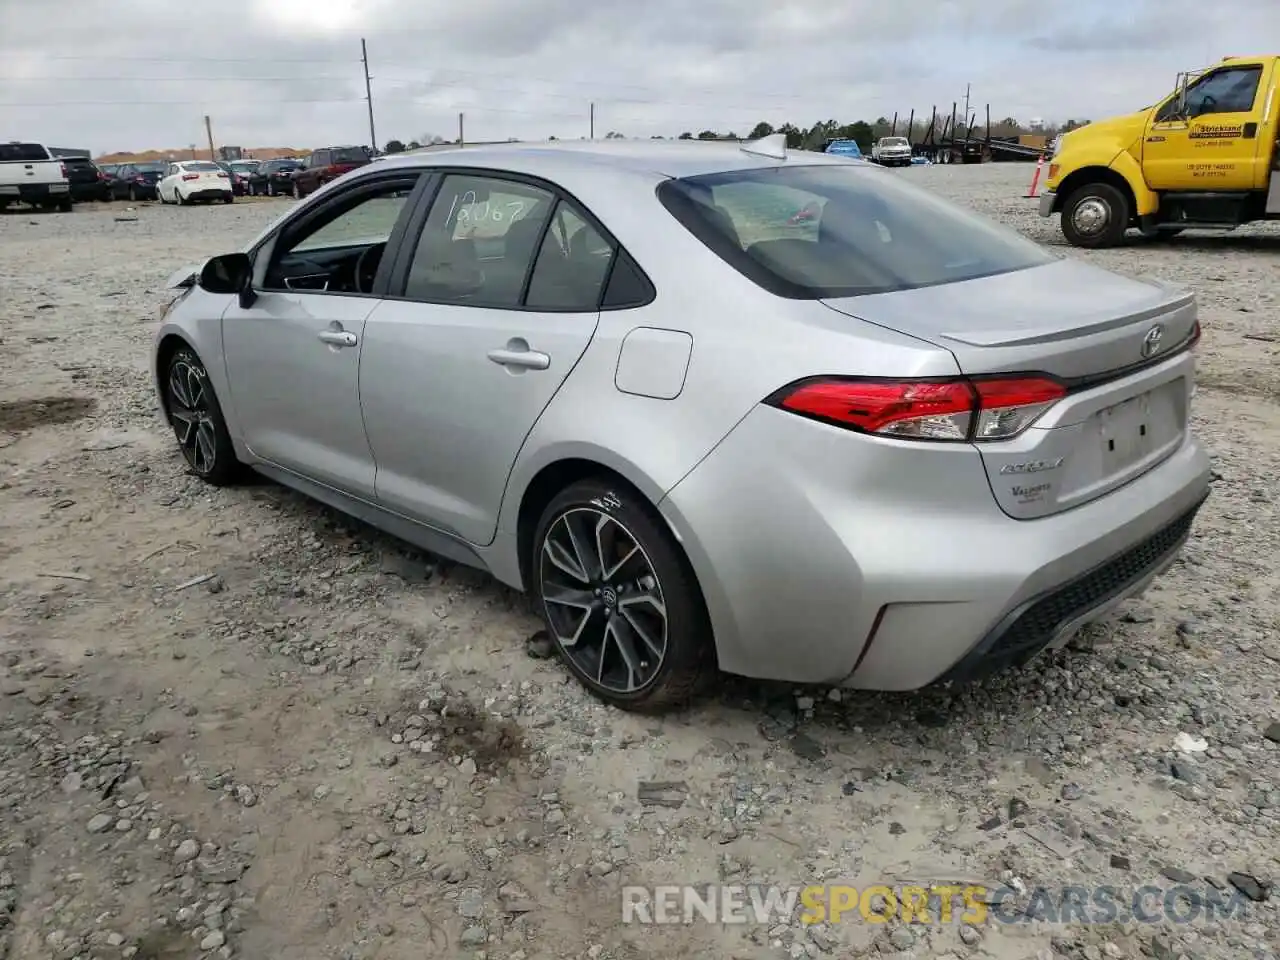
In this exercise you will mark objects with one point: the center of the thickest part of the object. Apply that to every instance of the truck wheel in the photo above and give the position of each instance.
(65, 204)
(1095, 216)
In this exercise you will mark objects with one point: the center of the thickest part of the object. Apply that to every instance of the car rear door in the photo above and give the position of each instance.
(487, 316)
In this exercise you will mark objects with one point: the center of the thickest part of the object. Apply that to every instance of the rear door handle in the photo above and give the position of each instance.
(337, 338)
(522, 358)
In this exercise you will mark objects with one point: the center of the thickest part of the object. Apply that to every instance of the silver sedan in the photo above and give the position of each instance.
(780, 414)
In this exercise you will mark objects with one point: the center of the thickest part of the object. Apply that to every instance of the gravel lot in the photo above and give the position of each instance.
(338, 748)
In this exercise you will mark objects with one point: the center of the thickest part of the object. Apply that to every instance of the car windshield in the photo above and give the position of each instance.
(22, 153)
(894, 141)
(348, 155)
(812, 232)
(201, 166)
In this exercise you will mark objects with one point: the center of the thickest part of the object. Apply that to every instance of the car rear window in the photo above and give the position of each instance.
(22, 153)
(348, 155)
(150, 167)
(202, 166)
(812, 232)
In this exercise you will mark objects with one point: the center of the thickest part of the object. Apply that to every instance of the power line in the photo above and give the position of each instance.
(113, 59)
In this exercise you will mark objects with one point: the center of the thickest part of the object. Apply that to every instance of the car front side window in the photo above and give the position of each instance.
(340, 250)
(479, 242)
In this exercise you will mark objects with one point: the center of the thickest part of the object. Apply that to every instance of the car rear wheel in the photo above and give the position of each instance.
(620, 603)
(197, 421)
(1095, 216)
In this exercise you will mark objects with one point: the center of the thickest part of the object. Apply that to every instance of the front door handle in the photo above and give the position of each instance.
(337, 338)
(517, 354)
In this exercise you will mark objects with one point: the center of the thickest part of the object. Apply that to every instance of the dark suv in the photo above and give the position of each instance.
(325, 165)
(86, 181)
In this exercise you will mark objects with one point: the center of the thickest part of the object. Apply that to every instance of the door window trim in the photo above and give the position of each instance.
(398, 278)
(306, 217)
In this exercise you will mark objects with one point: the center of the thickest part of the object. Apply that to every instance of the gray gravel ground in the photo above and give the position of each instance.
(338, 748)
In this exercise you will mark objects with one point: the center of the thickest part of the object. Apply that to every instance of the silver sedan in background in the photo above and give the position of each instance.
(777, 413)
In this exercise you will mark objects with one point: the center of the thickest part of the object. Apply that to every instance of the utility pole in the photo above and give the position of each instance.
(368, 94)
(591, 114)
(967, 123)
(208, 129)
(461, 139)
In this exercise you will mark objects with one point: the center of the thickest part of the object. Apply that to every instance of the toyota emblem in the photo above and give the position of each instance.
(1151, 342)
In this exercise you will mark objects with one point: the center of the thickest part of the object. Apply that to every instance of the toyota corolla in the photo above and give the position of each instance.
(884, 446)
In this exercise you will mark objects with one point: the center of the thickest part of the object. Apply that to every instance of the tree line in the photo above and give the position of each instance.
(815, 137)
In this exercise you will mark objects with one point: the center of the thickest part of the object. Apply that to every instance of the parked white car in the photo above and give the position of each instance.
(190, 180)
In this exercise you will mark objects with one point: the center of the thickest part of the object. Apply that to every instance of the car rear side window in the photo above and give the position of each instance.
(22, 153)
(478, 243)
(572, 264)
(840, 230)
(348, 155)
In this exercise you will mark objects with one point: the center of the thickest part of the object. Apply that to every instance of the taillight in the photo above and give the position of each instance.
(63, 167)
(191, 176)
(987, 408)
(140, 179)
(223, 176)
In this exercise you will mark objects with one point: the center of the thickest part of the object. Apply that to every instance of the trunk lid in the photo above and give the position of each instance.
(1103, 335)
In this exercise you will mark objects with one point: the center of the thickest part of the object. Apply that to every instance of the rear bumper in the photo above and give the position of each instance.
(35, 192)
(209, 194)
(849, 560)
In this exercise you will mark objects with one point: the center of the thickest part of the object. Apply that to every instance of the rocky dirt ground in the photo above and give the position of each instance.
(235, 724)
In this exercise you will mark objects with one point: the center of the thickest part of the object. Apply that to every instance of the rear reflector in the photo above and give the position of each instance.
(988, 408)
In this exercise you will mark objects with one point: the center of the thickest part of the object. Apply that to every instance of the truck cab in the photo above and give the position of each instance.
(1204, 157)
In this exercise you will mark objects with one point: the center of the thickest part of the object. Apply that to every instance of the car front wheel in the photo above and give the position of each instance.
(619, 600)
(197, 421)
(1095, 216)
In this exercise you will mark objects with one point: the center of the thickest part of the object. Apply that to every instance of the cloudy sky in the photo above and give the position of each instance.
(139, 74)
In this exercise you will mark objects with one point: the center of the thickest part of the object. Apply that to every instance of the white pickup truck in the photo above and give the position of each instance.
(892, 152)
(30, 174)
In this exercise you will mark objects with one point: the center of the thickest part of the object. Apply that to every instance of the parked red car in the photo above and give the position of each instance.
(327, 164)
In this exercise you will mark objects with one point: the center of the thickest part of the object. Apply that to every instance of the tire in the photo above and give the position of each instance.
(1095, 216)
(133, 195)
(610, 518)
(202, 438)
(271, 189)
(229, 198)
(66, 205)
(179, 199)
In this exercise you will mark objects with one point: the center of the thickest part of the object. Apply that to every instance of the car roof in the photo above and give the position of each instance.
(665, 158)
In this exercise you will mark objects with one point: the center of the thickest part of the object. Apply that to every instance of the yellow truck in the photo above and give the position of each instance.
(1204, 157)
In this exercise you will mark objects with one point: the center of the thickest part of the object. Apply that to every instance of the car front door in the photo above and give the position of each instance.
(1213, 143)
(487, 314)
(293, 356)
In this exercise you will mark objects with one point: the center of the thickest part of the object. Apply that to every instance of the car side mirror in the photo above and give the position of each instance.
(230, 273)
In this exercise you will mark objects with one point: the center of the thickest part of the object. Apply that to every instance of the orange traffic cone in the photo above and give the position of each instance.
(1035, 180)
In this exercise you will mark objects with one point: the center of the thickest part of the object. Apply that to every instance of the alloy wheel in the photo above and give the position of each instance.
(191, 414)
(603, 600)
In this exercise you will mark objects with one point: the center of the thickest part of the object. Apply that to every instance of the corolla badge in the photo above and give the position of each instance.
(1151, 342)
